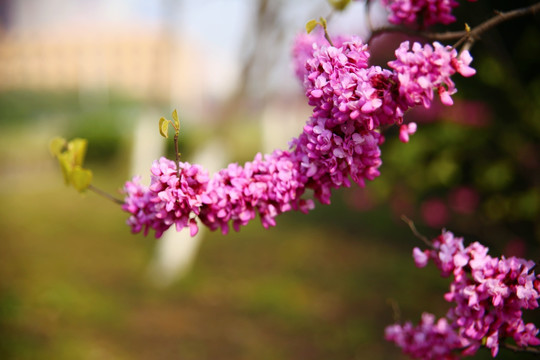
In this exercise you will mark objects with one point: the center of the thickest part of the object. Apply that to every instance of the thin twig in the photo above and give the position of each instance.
(177, 154)
(528, 349)
(415, 231)
(326, 34)
(327, 37)
(445, 36)
(105, 194)
(396, 312)
(501, 17)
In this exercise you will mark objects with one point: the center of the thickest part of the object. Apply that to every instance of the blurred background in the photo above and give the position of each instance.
(76, 284)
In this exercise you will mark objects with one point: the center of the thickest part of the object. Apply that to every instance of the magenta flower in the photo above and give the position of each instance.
(489, 295)
(266, 186)
(427, 340)
(420, 13)
(406, 130)
(426, 68)
(168, 200)
(339, 143)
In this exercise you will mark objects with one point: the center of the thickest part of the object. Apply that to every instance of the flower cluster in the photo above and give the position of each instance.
(341, 86)
(336, 142)
(138, 203)
(425, 68)
(339, 143)
(302, 50)
(422, 13)
(327, 158)
(268, 186)
(170, 199)
(305, 44)
(428, 340)
(489, 293)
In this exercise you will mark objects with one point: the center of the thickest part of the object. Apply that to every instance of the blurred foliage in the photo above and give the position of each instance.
(22, 107)
(105, 124)
(105, 129)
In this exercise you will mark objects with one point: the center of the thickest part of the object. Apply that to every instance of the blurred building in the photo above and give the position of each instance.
(102, 47)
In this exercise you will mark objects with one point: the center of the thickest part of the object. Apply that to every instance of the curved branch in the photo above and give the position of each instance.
(416, 232)
(528, 349)
(449, 35)
(471, 35)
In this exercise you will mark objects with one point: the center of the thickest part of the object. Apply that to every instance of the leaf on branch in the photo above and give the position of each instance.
(322, 21)
(339, 5)
(175, 119)
(64, 159)
(57, 145)
(81, 178)
(70, 156)
(163, 127)
(77, 148)
(311, 24)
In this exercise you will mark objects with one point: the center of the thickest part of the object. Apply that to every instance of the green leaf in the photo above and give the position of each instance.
(339, 4)
(322, 21)
(81, 178)
(175, 119)
(66, 165)
(77, 149)
(311, 24)
(57, 145)
(163, 127)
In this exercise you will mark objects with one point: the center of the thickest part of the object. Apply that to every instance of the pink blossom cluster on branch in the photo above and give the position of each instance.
(489, 294)
(420, 13)
(340, 141)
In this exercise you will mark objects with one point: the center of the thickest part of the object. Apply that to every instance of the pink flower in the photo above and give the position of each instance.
(338, 145)
(405, 130)
(420, 257)
(266, 186)
(420, 13)
(427, 67)
(168, 200)
(488, 296)
(427, 340)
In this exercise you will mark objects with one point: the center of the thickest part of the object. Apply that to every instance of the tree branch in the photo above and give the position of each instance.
(105, 195)
(464, 35)
(528, 349)
(416, 233)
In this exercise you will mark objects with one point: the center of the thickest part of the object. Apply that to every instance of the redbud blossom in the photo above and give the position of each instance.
(489, 296)
(420, 13)
(406, 130)
(339, 143)
(425, 68)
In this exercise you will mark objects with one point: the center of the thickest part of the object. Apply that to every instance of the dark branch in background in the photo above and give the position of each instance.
(416, 232)
(468, 36)
(396, 312)
(517, 349)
